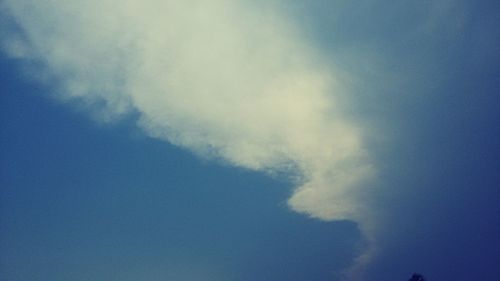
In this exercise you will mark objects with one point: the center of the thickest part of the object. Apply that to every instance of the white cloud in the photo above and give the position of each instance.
(231, 80)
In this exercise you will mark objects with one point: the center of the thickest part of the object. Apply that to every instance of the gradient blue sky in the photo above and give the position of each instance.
(82, 199)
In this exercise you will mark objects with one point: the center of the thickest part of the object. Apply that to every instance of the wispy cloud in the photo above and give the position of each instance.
(230, 80)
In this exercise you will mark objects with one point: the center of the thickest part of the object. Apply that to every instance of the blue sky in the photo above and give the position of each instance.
(233, 140)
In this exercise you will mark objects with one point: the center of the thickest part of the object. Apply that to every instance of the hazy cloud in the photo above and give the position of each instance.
(230, 80)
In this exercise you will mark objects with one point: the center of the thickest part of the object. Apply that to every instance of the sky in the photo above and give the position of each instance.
(249, 140)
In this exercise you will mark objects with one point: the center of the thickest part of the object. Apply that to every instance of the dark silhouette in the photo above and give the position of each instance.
(417, 277)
